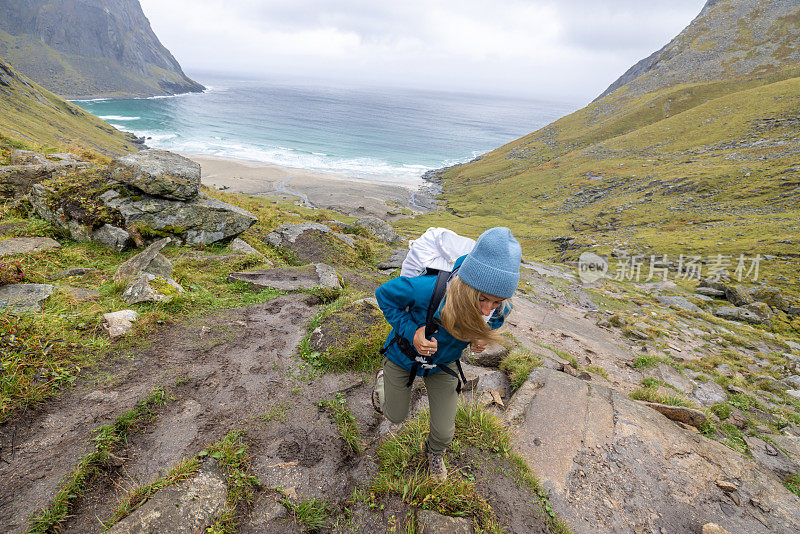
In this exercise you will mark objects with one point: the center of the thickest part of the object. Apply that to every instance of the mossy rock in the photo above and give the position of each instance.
(78, 197)
(311, 242)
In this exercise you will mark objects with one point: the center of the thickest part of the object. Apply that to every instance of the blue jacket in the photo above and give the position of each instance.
(404, 302)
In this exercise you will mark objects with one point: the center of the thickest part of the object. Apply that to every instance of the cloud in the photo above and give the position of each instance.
(541, 48)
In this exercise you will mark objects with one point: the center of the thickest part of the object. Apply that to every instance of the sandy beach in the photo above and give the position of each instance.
(314, 189)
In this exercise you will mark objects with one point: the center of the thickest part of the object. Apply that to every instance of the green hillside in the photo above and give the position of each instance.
(36, 117)
(695, 169)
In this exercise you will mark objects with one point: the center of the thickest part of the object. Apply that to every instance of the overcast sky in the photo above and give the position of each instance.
(568, 50)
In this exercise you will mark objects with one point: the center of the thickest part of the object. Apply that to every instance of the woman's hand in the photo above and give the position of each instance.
(425, 347)
(478, 345)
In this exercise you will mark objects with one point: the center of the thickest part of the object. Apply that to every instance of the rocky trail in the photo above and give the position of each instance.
(608, 462)
(231, 371)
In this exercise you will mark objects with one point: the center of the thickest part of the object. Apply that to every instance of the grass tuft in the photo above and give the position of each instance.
(231, 453)
(310, 514)
(345, 421)
(354, 336)
(518, 365)
(652, 394)
(793, 484)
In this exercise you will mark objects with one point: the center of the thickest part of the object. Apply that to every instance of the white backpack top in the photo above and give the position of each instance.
(437, 248)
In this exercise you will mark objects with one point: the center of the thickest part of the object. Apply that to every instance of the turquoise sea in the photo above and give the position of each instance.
(376, 134)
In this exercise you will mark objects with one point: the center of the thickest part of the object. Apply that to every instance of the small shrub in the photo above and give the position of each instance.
(357, 230)
(78, 195)
(11, 272)
(351, 338)
(617, 320)
(743, 401)
(652, 382)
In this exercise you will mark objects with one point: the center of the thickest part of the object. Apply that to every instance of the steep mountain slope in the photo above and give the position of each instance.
(726, 40)
(89, 48)
(38, 118)
(700, 167)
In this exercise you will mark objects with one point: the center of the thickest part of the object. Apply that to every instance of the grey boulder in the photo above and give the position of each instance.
(378, 228)
(771, 457)
(708, 393)
(20, 298)
(738, 314)
(681, 414)
(240, 245)
(26, 245)
(395, 260)
(112, 237)
(767, 294)
(119, 323)
(678, 302)
(24, 172)
(737, 295)
(491, 356)
(430, 522)
(158, 173)
(148, 287)
(311, 242)
(480, 379)
(201, 220)
(150, 260)
(80, 294)
(710, 292)
(291, 279)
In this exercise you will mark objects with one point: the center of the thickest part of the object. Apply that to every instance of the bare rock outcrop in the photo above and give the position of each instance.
(612, 464)
(28, 168)
(152, 194)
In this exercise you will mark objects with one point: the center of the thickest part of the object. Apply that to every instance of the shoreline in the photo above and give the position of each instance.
(315, 189)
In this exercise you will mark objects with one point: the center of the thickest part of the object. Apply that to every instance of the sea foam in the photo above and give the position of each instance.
(118, 118)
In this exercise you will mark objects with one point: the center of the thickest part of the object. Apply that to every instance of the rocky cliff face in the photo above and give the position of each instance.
(728, 39)
(89, 48)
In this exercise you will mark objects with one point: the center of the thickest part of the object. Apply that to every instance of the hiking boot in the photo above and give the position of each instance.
(376, 401)
(436, 466)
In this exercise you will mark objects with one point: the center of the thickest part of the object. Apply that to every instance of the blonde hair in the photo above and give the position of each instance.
(461, 314)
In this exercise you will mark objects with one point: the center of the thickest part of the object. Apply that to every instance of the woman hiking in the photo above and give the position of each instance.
(474, 305)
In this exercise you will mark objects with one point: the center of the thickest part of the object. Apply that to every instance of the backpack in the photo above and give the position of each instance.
(435, 250)
(433, 253)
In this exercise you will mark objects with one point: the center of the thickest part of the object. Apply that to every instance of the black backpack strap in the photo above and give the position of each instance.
(412, 374)
(442, 277)
(461, 371)
(453, 374)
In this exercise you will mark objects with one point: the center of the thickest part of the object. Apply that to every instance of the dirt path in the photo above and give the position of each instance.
(235, 370)
(226, 375)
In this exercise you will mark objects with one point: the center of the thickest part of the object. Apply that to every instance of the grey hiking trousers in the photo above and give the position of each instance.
(394, 397)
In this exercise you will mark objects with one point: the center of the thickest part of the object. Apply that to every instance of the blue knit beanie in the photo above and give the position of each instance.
(493, 264)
